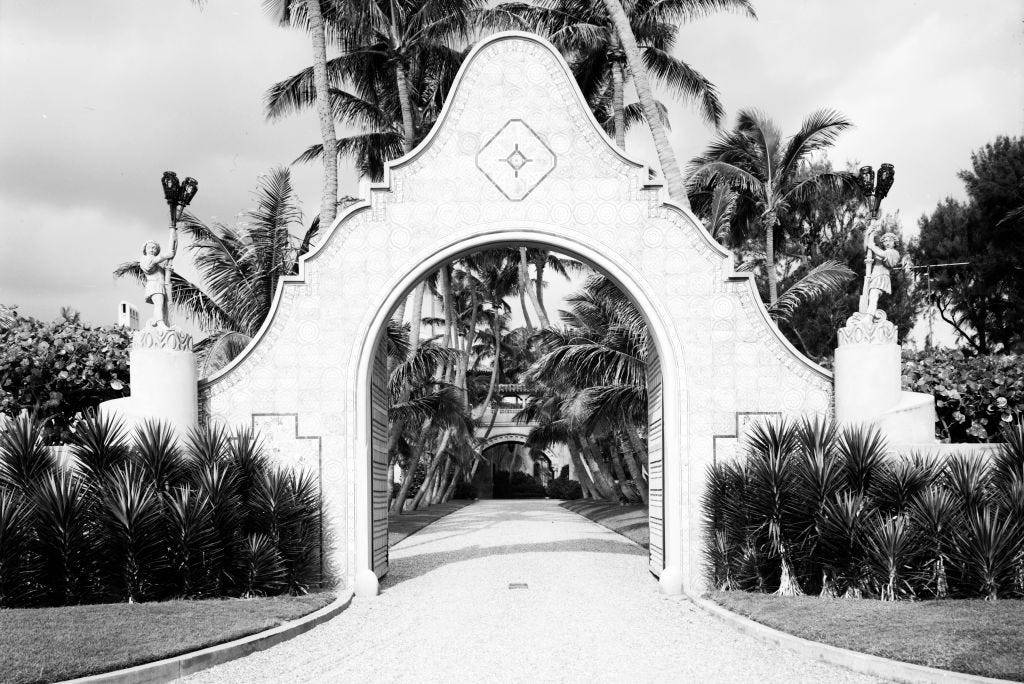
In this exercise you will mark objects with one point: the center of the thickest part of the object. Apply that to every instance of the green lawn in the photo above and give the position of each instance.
(49, 644)
(972, 636)
(629, 521)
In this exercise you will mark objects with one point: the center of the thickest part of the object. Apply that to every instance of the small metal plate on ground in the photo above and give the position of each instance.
(518, 585)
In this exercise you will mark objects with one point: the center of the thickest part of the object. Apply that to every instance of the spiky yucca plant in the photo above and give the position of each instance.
(133, 535)
(15, 522)
(24, 458)
(63, 525)
(100, 444)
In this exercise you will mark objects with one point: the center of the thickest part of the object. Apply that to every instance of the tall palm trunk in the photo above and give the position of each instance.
(524, 287)
(329, 197)
(405, 103)
(619, 469)
(539, 263)
(618, 103)
(442, 483)
(629, 457)
(410, 472)
(495, 372)
(450, 489)
(602, 477)
(582, 475)
(769, 257)
(448, 302)
(463, 372)
(667, 158)
(524, 282)
(435, 463)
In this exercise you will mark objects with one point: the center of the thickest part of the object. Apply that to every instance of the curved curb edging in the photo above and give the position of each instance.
(863, 663)
(177, 667)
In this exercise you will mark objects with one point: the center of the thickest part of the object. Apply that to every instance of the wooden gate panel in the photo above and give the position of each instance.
(379, 463)
(655, 465)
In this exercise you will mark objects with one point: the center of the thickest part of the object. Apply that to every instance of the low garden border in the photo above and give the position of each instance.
(173, 669)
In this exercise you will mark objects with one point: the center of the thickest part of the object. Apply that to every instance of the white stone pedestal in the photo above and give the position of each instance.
(163, 380)
(868, 387)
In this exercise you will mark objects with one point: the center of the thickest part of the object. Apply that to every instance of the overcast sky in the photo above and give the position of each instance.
(101, 96)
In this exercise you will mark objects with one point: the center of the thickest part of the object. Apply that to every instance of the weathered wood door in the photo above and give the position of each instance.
(379, 463)
(655, 465)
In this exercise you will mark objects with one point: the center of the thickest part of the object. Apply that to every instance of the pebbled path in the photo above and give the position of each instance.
(591, 613)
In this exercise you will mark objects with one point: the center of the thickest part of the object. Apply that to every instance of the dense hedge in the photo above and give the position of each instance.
(810, 510)
(144, 519)
(60, 369)
(976, 397)
(562, 487)
(517, 485)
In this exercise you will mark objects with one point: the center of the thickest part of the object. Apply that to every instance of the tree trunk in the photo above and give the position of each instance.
(495, 371)
(620, 473)
(432, 471)
(407, 475)
(416, 318)
(462, 377)
(586, 484)
(618, 107)
(448, 302)
(633, 467)
(604, 483)
(450, 490)
(442, 483)
(539, 263)
(769, 259)
(638, 443)
(404, 102)
(669, 166)
(329, 197)
(524, 288)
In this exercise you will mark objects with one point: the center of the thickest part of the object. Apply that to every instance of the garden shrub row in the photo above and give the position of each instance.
(145, 519)
(812, 509)
(976, 396)
(517, 485)
(563, 488)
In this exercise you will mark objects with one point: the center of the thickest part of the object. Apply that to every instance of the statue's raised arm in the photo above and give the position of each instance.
(879, 263)
(153, 264)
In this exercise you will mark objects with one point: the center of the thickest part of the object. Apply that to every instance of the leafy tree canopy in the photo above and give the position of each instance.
(984, 300)
(61, 368)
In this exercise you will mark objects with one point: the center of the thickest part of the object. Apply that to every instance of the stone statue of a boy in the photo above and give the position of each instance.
(885, 259)
(153, 265)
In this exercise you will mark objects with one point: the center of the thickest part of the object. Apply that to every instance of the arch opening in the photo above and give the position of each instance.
(663, 464)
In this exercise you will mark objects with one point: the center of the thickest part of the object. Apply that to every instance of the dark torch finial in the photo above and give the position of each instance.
(171, 186)
(886, 176)
(866, 180)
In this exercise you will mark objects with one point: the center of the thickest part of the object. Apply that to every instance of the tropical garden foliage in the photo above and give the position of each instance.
(814, 509)
(976, 396)
(59, 369)
(143, 517)
(983, 300)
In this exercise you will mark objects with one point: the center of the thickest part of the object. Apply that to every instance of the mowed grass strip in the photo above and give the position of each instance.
(51, 644)
(629, 521)
(972, 636)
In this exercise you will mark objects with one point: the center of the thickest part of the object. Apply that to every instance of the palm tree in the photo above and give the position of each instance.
(770, 172)
(239, 265)
(310, 13)
(600, 39)
(398, 61)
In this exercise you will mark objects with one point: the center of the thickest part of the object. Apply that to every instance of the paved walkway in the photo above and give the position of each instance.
(591, 613)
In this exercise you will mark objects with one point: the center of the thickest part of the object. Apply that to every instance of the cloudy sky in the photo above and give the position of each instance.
(101, 96)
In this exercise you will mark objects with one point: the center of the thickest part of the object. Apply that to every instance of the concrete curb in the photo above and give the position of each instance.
(862, 663)
(173, 669)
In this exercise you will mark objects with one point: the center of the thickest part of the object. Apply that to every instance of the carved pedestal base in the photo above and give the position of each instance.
(868, 387)
(163, 379)
(867, 368)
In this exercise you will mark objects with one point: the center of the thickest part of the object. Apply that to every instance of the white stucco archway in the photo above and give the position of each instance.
(515, 157)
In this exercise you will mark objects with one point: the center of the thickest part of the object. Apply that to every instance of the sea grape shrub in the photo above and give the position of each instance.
(59, 369)
(976, 397)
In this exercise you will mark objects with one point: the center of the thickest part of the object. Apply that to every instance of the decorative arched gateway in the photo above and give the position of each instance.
(515, 157)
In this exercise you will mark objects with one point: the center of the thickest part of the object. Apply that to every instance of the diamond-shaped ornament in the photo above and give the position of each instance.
(516, 160)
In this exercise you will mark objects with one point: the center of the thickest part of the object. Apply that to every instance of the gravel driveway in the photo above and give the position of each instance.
(591, 612)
